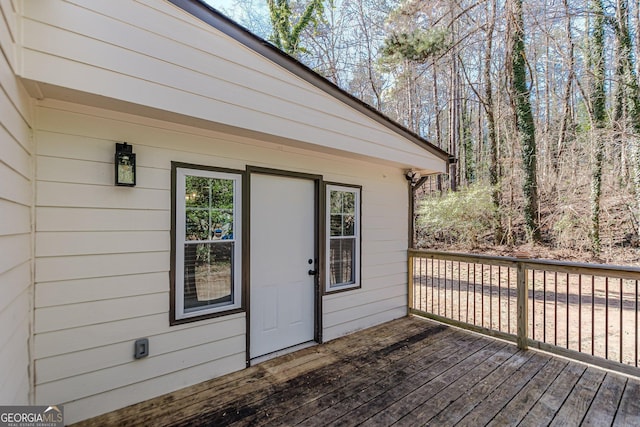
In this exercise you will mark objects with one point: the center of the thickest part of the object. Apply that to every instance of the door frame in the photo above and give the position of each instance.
(318, 246)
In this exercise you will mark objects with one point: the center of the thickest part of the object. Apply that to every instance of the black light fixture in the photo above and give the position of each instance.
(125, 164)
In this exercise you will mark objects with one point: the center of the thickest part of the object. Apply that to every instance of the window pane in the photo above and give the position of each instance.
(208, 275)
(196, 192)
(336, 225)
(348, 203)
(342, 261)
(349, 225)
(336, 202)
(208, 208)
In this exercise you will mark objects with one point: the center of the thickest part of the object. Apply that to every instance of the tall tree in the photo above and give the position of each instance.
(288, 26)
(489, 109)
(597, 112)
(627, 97)
(524, 120)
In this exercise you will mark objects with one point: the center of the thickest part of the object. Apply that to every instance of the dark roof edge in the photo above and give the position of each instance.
(234, 30)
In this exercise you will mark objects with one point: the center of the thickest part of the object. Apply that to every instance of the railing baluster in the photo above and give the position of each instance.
(593, 314)
(621, 326)
(606, 318)
(445, 288)
(432, 285)
(490, 297)
(567, 307)
(422, 284)
(544, 306)
(579, 312)
(482, 294)
(509, 299)
(533, 305)
(555, 308)
(475, 319)
(468, 271)
(499, 300)
(459, 300)
(439, 286)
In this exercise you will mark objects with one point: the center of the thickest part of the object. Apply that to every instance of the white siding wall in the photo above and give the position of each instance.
(150, 53)
(102, 256)
(16, 200)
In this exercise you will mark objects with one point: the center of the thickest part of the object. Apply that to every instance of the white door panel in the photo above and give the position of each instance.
(282, 242)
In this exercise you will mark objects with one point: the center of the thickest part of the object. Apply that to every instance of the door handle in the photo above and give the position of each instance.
(313, 272)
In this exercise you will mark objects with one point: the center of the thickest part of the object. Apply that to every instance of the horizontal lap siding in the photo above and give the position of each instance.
(102, 269)
(383, 295)
(103, 254)
(151, 53)
(16, 199)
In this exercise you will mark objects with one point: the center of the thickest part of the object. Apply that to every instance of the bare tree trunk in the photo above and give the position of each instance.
(436, 101)
(566, 108)
(364, 28)
(454, 117)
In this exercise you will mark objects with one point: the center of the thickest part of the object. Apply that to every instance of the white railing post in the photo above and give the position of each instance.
(523, 307)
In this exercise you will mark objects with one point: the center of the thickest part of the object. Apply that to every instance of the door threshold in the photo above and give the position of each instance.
(282, 352)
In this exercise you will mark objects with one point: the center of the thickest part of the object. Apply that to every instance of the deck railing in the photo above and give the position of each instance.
(583, 311)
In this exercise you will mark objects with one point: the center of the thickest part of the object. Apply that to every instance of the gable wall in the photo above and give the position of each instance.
(151, 53)
(102, 256)
(16, 172)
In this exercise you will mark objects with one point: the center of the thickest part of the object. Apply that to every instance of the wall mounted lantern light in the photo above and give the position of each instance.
(125, 162)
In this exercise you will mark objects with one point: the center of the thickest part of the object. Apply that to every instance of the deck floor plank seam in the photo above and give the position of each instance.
(628, 413)
(608, 396)
(554, 397)
(579, 400)
(518, 407)
(346, 412)
(382, 402)
(452, 391)
(346, 385)
(473, 406)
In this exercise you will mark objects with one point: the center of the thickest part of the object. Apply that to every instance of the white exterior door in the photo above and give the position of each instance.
(282, 244)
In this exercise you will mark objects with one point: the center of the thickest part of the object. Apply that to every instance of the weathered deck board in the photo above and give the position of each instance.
(390, 389)
(579, 400)
(348, 385)
(629, 410)
(552, 399)
(430, 398)
(522, 403)
(609, 394)
(404, 373)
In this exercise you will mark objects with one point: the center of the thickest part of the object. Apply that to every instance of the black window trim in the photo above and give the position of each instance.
(327, 236)
(173, 320)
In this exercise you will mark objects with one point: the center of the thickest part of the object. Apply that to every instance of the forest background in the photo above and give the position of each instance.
(537, 101)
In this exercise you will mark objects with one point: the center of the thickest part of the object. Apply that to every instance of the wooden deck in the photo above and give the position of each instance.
(407, 372)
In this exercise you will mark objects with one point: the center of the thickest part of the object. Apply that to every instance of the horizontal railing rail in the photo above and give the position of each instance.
(588, 312)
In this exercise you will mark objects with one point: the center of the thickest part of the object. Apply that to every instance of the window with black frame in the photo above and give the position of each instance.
(207, 248)
(343, 235)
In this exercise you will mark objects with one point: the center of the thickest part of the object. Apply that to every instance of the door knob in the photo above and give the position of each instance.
(313, 272)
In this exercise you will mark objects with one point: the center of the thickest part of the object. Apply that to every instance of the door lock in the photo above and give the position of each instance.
(313, 272)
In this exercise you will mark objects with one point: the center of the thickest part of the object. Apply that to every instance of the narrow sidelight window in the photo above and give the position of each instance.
(343, 234)
(207, 273)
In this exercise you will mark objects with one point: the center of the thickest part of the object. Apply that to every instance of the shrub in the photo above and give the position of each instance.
(457, 217)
